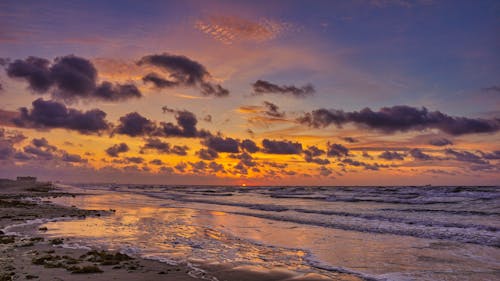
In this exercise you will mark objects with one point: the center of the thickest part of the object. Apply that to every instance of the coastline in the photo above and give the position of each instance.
(30, 256)
(36, 258)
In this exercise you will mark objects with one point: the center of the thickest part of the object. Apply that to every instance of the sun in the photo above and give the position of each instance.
(243, 184)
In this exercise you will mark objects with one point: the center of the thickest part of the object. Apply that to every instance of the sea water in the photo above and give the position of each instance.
(373, 233)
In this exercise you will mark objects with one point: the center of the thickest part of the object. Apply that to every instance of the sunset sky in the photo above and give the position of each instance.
(363, 92)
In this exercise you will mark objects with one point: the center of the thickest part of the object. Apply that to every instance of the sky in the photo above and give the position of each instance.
(362, 92)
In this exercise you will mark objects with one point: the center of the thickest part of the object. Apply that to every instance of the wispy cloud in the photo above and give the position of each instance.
(230, 29)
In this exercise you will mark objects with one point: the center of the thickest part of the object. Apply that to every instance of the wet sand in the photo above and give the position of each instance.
(34, 257)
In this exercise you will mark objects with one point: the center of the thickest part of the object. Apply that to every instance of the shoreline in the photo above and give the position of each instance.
(30, 256)
(33, 257)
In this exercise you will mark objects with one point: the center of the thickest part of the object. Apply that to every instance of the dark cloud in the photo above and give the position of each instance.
(133, 124)
(494, 155)
(72, 158)
(273, 110)
(158, 81)
(42, 142)
(207, 154)
(350, 139)
(35, 70)
(440, 142)
(181, 167)
(366, 155)
(156, 144)
(245, 159)
(199, 166)
(391, 155)
(179, 150)
(261, 87)
(69, 78)
(136, 160)
(216, 90)
(401, 118)
(324, 171)
(312, 152)
(249, 146)
(465, 156)
(336, 150)
(221, 144)
(157, 162)
(52, 114)
(418, 154)
(281, 147)
(116, 149)
(163, 147)
(40, 152)
(215, 167)
(186, 125)
(117, 92)
(367, 166)
(182, 72)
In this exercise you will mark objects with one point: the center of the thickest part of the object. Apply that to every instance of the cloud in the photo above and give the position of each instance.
(245, 159)
(73, 158)
(324, 171)
(207, 154)
(179, 150)
(39, 152)
(181, 167)
(52, 114)
(273, 110)
(281, 147)
(116, 92)
(249, 146)
(495, 155)
(350, 139)
(136, 160)
(155, 144)
(182, 71)
(261, 87)
(336, 150)
(69, 78)
(391, 155)
(35, 70)
(186, 125)
(440, 142)
(465, 156)
(221, 144)
(116, 149)
(231, 29)
(42, 142)
(133, 124)
(157, 162)
(367, 166)
(215, 167)
(418, 154)
(312, 152)
(158, 81)
(401, 118)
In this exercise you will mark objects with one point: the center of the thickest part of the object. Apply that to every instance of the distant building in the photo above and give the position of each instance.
(26, 179)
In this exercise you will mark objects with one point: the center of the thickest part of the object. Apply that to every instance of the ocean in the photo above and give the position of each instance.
(372, 233)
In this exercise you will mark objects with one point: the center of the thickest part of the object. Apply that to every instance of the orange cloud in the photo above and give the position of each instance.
(229, 29)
